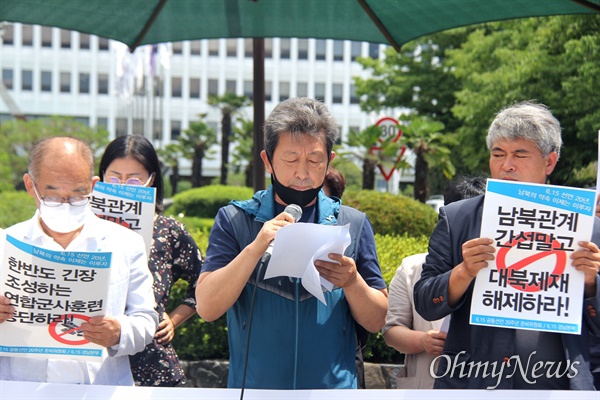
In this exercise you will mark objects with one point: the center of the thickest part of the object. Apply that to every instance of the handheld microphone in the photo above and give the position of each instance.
(296, 212)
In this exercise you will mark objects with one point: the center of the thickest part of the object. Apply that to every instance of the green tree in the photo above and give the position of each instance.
(229, 104)
(553, 60)
(360, 149)
(243, 134)
(195, 143)
(17, 137)
(424, 137)
(416, 78)
(170, 157)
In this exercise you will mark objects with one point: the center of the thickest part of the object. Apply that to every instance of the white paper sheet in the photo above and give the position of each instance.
(297, 246)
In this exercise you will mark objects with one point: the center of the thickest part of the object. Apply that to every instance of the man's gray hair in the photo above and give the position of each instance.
(300, 116)
(530, 121)
(50, 148)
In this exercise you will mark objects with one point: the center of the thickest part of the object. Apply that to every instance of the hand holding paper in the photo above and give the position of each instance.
(297, 246)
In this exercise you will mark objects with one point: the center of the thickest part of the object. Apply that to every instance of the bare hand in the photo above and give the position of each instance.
(102, 330)
(341, 271)
(476, 253)
(433, 342)
(587, 260)
(166, 330)
(269, 229)
(6, 310)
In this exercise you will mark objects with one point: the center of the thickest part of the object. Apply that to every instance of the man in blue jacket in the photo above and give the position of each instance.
(524, 141)
(296, 342)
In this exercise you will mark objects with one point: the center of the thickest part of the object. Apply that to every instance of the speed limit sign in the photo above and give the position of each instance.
(389, 129)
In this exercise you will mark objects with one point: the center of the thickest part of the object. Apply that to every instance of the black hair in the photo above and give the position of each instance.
(142, 150)
(464, 187)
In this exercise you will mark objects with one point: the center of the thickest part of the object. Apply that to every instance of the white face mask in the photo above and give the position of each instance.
(64, 218)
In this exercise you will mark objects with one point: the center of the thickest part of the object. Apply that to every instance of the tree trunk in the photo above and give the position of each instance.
(225, 133)
(197, 167)
(421, 179)
(368, 174)
(174, 179)
(249, 172)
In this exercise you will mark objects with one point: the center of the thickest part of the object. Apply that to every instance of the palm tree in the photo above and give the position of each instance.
(361, 144)
(229, 104)
(170, 157)
(243, 134)
(423, 136)
(195, 144)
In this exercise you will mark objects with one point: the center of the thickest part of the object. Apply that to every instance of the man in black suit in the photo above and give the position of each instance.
(524, 142)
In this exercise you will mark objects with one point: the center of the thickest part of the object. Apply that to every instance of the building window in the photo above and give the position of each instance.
(353, 96)
(175, 86)
(195, 47)
(320, 91)
(102, 44)
(194, 88)
(157, 129)
(213, 87)
(284, 91)
(320, 47)
(65, 39)
(102, 83)
(27, 35)
(65, 82)
(46, 36)
(231, 47)
(102, 122)
(337, 93)
(7, 78)
(137, 126)
(175, 129)
(374, 51)
(121, 127)
(248, 48)
(84, 83)
(46, 81)
(268, 90)
(213, 47)
(284, 49)
(84, 41)
(302, 49)
(8, 36)
(339, 139)
(302, 89)
(355, 50)
(338, 50)
(177, 47)
(249, 89)
(230, 86)
(268, 48)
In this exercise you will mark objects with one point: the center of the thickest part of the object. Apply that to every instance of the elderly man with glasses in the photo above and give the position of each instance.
(60, 179)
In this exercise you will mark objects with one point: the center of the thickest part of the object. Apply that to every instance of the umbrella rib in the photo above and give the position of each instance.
(588, 4)
(147, 26)
(379, 24)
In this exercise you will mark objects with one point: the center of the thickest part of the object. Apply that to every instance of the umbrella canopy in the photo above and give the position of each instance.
(393, 22)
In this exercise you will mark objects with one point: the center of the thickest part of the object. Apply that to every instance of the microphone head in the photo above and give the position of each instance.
(295, 211)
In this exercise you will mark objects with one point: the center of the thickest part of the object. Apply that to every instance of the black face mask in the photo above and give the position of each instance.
(293, 196)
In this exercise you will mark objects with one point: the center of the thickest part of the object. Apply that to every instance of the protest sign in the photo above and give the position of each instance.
(53, 293)
(531, 284)
(128, 205)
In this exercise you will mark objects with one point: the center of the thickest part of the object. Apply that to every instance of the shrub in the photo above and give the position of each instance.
(204, 202)
(15, 207)
(393, 215)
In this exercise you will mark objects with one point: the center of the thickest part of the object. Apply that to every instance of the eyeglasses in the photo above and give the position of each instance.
(130, 181)
(56, 201)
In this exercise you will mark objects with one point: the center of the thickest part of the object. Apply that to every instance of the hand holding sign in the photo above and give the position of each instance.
(587, 260)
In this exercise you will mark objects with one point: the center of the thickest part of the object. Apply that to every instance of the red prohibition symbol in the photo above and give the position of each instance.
(67, 329)
(559, 264)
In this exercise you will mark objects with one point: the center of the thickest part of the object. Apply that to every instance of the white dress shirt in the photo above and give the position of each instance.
(130, 300)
